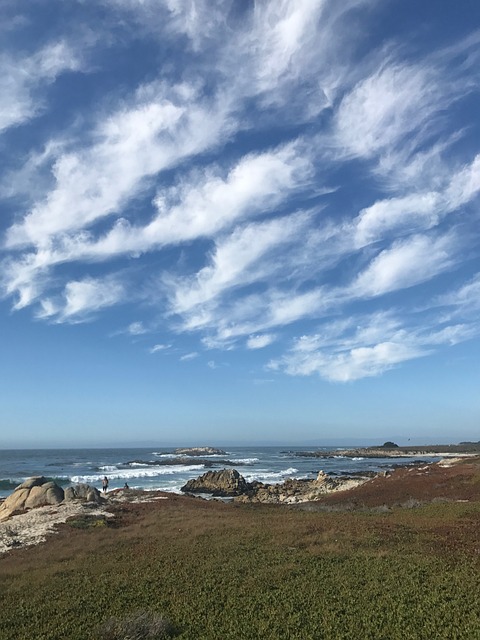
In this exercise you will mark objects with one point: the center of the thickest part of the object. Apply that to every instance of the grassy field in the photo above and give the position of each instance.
(225, 571)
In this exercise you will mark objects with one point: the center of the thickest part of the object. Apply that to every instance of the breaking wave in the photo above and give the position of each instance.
(125, 474)
(263, 475)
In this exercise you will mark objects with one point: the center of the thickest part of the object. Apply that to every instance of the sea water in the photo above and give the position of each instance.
(161, 468)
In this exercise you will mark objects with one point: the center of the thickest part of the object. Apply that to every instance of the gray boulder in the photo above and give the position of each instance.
(227, 482)
(83, 492)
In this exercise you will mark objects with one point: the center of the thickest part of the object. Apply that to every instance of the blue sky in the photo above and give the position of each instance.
(238, 221)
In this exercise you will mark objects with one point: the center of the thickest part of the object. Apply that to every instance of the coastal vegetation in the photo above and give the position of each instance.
(403, 566)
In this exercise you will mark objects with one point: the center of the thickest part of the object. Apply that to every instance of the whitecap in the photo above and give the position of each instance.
(263, 475)
(159, 454)
(137, 473)
(244, 460)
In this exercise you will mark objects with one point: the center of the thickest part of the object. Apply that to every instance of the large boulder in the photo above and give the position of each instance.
(83, 492)
(47, 493)
(34, 492)
(227, 482)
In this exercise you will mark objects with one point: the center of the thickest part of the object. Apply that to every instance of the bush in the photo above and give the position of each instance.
(87, 521)
(142, 625)
(390, 445)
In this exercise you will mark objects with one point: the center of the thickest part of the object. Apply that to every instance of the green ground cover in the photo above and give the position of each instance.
(242, 572)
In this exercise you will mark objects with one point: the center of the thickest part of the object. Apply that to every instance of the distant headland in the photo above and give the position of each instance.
(392, 450)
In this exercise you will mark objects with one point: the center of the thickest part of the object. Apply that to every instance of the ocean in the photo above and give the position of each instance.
(161, 468)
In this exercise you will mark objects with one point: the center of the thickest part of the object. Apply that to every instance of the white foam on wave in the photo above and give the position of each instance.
(158, 454)
(149, 472)
(356, 459)
(263, 475)
(108, 467)
(142, 465)
(244, 460)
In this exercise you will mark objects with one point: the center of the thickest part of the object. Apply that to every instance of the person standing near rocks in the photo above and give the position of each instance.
(105, 484)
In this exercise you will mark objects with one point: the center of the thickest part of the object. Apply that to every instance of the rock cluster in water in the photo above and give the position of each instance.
(200, 451)
(229, 483)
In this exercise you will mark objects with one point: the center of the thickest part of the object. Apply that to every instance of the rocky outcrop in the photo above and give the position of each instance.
(227, 482)
(34, 492)
(394, 451)
(41, 492)
(200, 451)
(298, 490)
(83, 492)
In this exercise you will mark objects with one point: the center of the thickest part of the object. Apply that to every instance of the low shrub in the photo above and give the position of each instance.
(142, 625)
(87, 521)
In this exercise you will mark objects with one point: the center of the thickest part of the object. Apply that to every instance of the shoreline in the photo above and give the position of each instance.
(435, 451)
(36, 525)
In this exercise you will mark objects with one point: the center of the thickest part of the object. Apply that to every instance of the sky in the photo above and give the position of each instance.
(238, 221)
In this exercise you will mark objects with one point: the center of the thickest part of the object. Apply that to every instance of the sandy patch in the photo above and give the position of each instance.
(33, 526)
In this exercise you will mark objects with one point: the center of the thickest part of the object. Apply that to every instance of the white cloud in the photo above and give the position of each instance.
(93, 183)
(346, 365)
(209, 165)
(189, 356)
(160, 347)
(467, 295)
(383, 108)
(136, 328)
(253, 314)
(23, 76)
(366, 346)
(81, 298)
(418, 211)
(238, 260)
(201, 207)
(461, 304)
(260, 341)
(407, 263)
(282, 31)
(414, 211)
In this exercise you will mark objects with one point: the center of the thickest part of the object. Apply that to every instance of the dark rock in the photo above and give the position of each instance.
(227, 482)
